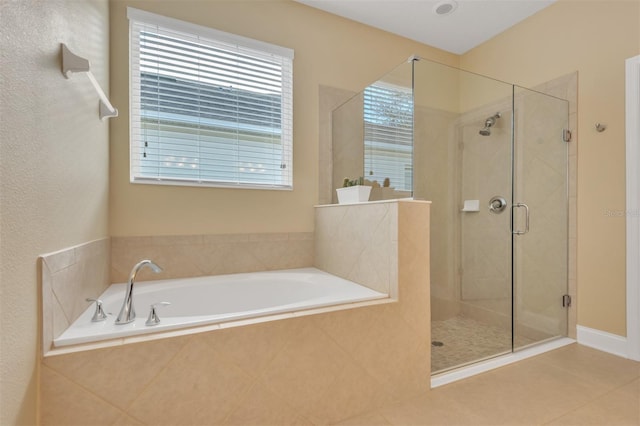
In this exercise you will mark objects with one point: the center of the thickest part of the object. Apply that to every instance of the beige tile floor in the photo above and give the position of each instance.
(574, 385)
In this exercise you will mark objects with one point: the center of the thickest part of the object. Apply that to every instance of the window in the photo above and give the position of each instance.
(208, 108)
(388, 135)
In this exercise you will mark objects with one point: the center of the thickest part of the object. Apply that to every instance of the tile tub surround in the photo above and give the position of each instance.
(71, 275)
(184, 256)
(315, 369)
(68, 277)
(359, 242)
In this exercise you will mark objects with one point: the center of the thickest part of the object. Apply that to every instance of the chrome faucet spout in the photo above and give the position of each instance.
(127, 312)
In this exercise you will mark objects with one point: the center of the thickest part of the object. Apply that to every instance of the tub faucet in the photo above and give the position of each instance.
(127, 313)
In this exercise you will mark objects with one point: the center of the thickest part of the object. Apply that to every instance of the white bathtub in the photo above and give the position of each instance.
(215, 299)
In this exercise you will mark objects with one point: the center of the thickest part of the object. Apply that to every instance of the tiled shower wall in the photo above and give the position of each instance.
(330, 98)
(347, 142)
(435, 180)
(317, 369)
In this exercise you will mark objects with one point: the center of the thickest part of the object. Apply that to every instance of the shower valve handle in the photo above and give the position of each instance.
(497, 204)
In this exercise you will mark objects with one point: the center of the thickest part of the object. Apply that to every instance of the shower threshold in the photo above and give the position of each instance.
(472, 369)
(464, 365)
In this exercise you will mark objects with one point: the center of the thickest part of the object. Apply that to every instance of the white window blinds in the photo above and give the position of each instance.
(388, 135)
(207, 107)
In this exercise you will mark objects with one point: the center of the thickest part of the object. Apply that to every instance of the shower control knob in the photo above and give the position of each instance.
(497, 204)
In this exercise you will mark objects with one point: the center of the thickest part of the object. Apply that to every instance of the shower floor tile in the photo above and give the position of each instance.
(466, 340)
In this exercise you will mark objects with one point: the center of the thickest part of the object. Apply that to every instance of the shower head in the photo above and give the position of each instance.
(489, 123)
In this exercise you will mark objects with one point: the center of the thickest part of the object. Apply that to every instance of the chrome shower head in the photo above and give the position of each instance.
(489, 123)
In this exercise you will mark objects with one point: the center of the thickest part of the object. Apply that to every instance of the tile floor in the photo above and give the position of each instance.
(573, 385)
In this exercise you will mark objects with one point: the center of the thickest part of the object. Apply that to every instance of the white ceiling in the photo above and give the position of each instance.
(471, 23)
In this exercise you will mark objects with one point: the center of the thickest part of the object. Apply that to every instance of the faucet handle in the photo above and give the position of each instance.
(153, 318)
(99, 314)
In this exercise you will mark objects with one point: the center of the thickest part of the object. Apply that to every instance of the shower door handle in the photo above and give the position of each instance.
(526, 213)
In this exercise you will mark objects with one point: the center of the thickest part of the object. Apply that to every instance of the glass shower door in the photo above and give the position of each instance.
(462, 160)
(540, 217)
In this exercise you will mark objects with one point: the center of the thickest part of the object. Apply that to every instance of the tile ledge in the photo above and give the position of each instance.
(53, 253)
(395, 200)
(82, 347)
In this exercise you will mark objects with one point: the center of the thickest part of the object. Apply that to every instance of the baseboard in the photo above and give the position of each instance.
(603, 341)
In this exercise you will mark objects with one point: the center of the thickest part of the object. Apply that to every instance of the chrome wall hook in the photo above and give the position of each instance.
(601, 127)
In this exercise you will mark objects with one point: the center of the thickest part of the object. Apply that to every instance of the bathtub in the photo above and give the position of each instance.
(214, 300)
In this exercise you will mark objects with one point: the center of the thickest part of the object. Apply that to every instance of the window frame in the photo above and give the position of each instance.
(246, 46)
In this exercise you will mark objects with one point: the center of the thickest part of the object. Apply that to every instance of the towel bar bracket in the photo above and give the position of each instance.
(72, 63)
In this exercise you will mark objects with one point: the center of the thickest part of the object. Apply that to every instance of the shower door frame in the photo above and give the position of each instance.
(633, 206)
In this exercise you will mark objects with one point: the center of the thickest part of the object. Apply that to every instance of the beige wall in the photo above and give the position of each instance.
(53, 165)
(328, 51)
(594, 38)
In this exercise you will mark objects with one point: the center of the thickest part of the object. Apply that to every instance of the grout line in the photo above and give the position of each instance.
(361, 414)
(389, 422)
(155, 377)
(85, 389)
(544, 359)
(254, 379)
(240, 397)
(590, 402)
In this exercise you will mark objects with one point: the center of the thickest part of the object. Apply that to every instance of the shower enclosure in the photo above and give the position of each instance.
(493, 159)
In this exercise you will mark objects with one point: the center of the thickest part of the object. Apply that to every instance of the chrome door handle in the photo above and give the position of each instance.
(526, 223)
